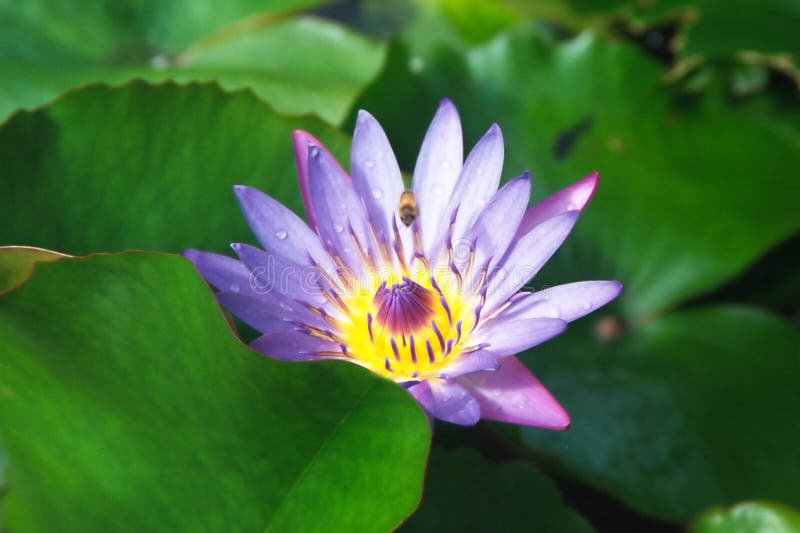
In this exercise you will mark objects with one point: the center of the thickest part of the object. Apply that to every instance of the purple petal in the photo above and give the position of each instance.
(477, 183)
(509, 337)
(338, 207)
(270, 274)
(279, 230)
(301, 140)
(567, 302)
(221, 271)
(376, 176)
(422, 393)
(294, 345)
(452, 403)
(527, 256)
(263, 314)
(573, 198)
(514, 395)
(437, 170)
(476, 361)
(496, 226)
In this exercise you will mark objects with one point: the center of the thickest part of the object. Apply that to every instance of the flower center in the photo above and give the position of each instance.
(407, 326)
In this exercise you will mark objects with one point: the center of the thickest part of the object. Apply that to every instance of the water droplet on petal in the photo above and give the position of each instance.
(378, 154)
(587, 305)
(369, 163)
(495, 393)
(376, 193)
(445, 163)
(281, 234)
(234, 288)
(479, 171)
(338, 228)
(438, 190)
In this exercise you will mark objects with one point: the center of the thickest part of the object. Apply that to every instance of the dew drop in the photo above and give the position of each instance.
(376, 193)
(281, 234)
(234, 288)
(479, 171)
(438, 190)
(587, 305)
(378, 155)
(369, 163)
(338, 228)
(496, 393)
(445, 163)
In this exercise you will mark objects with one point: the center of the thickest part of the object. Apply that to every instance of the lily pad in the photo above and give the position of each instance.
(145, 167)
(127, 404)
(691, 410)
(464, 492)
(52, 48)
(749, 517)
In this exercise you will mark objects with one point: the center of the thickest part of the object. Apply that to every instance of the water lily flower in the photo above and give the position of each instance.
(421, 286)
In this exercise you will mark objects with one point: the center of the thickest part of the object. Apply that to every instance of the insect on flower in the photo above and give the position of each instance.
(426, 296)
(408, 209)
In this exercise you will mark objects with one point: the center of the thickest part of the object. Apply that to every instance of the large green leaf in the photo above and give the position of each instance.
(297, 65)
(129, 405)
(464, 492)
(145, 167)
(693, 409)
(677, 211)
(749, 517)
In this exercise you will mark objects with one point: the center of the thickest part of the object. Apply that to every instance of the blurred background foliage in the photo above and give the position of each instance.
(126, 123)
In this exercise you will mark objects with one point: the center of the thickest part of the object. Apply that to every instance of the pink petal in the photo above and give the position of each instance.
(301, 141)
(573, 198)
(512, 394)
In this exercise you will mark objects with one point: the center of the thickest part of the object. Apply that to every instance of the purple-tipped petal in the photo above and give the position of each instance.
(514, 395)
(337, 205)
(422, 393)
(376, 175)
(498, 222)
(301, 140)
(476, 185)
(568, 302)
(274, 275)
(263, 314)
(573, 198)
(527, 256)
(221, 271)
(452, 403)
(279, 230)
(437, 170)
(477, 361)
(509, 337)
(295, 346)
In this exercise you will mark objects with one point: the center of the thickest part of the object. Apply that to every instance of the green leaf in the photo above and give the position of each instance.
(16, 264)
(145, 167)
(129, 405)
(678, 210)
(749, 517)
(320, 71)
(464, 492)
(691, 410)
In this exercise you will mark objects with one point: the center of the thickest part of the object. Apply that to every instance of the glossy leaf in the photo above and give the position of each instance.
(50, 49)
(464, 492)
(127, 404)
(144, 167)
(691, 410)
(676, 212)
(749, 517)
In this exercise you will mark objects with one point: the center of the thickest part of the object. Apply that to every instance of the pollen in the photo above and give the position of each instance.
(408, 325)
